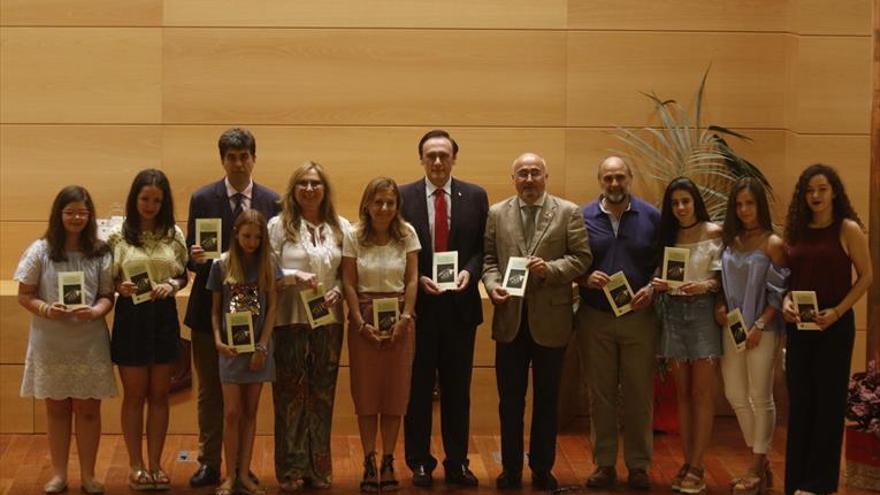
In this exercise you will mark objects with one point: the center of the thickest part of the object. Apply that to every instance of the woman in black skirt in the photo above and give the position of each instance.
(149, 259)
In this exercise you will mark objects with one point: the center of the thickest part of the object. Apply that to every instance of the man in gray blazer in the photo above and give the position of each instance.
(549, 232)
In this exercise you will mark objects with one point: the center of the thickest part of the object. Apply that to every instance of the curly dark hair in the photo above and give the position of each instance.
(668, 229)
(799, 213)
(733, 226)
(55, 235)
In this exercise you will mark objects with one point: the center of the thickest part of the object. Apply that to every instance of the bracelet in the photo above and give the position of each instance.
(361, 328)
(43, 310)
(261, 348)
(406, 316)
(175, 287)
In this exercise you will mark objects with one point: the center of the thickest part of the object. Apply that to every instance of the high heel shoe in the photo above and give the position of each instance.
(370, 483)
(753, 483)
(388, 483)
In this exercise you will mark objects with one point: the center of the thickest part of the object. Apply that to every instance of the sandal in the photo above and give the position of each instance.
(226, 488)
(291, 485)
(676, 480)
(370, 483)
(140, 480)
(56, 485)
(693, 482)
(161, 481)
(92, 487)
(386, 476)
(254, 489)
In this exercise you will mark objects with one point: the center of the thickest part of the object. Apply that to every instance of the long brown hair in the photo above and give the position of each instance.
(235, 269)
(291, 212)
(131, 227)
(799, 213)
(397, 231)
(733, 226)
(55, 235)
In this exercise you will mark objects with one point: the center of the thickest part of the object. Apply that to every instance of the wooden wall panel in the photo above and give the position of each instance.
(40, 160)
(16, 413)
(14, 325)
(80, 13)
(80, 75)
(608, 71)
(354, 155)
(364, 77)
(831, 85)
(459, 14)
(845, 17)
(16, 237)
(687, 15)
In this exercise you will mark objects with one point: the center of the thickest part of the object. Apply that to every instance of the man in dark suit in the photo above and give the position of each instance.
(448, 215)
(224, 199)
(549, 232)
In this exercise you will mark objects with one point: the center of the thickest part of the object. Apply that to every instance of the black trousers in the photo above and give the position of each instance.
(817, 375)
(512, 374)
(444, 348)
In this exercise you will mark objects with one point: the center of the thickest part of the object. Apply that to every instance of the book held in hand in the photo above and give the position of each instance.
(138, 273)
(737, 328)
(71, 290)
(386, 312)
(445, 269)
(675, 265)
(240, 331)
(619, 294)
(807, 307)
(516, 276)
(318, 312)
(208, 236)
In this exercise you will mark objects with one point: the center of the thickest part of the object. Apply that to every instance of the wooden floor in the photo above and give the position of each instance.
(25, 467)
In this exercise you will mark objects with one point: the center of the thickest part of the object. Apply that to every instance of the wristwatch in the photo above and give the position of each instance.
(759, 324)
(261, 348)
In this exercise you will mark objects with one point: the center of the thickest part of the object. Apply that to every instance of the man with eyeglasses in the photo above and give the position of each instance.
(224, 199)
(549, 232)
(449, 215)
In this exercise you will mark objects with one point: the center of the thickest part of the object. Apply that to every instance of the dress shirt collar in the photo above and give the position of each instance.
(430, 187)
(539, 203)
(231, 191)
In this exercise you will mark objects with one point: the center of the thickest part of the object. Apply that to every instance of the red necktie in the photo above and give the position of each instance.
(441, 222)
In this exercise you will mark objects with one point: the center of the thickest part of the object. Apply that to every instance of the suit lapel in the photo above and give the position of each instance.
(420, 214)
(514, 219)
(457, 206)
(543, 221)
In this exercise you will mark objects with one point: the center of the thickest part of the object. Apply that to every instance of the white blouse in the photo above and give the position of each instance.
(381, 268)
(705, 258)
(322, 257)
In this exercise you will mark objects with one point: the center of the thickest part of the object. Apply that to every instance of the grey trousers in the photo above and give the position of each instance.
(618, 358)
(210, 399)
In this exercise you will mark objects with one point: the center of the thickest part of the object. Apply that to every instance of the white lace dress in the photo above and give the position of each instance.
(66, 358)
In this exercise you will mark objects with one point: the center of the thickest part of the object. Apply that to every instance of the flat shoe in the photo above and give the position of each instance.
(55, 485)
(92, 487)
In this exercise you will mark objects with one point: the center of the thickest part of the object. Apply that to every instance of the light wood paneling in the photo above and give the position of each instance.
(688, 15)
(16, 413)
(81, 75)
(608, 72)
(831, 85)
(14, 325)
(364, 77)
(40, 160)
(846, 17)
(16, 237)
(81, 13)
(461, 14)
(354, 155)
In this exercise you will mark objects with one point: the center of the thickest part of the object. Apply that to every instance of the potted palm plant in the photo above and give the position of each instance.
(863, 436)
(679, 144)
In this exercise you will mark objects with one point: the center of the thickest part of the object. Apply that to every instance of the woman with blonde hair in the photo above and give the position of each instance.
(380, 261)
(306, 239)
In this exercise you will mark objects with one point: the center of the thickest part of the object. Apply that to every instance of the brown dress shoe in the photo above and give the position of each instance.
(602, 477)
(639, 479)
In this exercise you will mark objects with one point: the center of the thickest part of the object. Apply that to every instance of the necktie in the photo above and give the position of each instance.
(529, 226)
(441, 222)
(238, 198)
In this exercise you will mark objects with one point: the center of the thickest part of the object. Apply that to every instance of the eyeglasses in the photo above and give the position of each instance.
(305, 184)
(75, 213)
(525, 174)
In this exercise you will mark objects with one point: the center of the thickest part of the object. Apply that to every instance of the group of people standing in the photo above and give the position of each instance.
(274, 248)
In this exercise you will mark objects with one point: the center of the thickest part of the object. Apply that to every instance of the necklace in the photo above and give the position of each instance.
(685, 227)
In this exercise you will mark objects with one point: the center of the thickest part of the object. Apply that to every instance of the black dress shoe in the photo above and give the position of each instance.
(544, 481)
(205, 476)
(422, 477)
(461, 476)
(508, 481)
